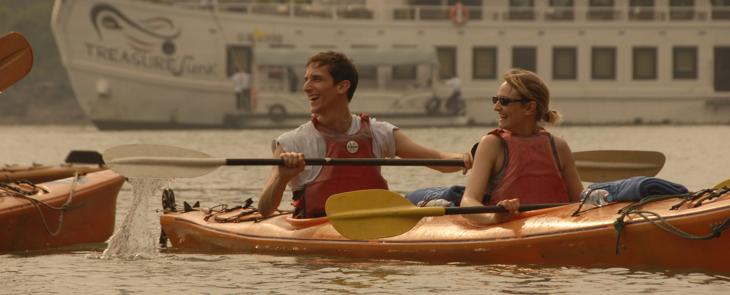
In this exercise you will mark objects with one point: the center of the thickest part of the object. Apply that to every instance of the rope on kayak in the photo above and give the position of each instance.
(696, 198)
(246, 210)
(25, 190)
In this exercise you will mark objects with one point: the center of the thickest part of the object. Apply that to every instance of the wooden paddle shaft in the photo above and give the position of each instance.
(350, 162)
(496, 209)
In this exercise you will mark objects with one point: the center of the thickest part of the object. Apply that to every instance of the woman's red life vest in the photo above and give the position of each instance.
(337, 179)
(532, 173)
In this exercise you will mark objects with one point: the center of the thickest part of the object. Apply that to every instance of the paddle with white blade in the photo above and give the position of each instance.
(16, 59)
(161, 161)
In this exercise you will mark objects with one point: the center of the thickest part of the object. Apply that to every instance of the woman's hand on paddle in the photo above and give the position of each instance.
(512, 206)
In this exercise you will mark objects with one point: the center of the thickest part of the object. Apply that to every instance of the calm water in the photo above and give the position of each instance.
(696, 156)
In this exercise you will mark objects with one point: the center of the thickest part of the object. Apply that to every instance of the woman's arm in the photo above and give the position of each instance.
(488, 157)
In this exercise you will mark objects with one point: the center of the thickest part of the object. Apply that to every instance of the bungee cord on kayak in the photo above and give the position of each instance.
(695, 200)
(26, 190)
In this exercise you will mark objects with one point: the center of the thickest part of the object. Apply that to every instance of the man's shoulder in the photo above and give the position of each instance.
(303, 130)
(382, 126)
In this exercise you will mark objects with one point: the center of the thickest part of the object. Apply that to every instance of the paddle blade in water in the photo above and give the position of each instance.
(159, 161)
(609, 165)
(374, 214)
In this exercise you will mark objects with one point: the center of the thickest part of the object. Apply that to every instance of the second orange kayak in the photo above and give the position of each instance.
(60, 213)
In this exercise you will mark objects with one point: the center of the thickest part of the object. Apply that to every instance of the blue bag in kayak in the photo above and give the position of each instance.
(636, 188)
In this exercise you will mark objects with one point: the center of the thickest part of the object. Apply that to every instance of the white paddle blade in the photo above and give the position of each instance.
(159, 161)
(609, 165)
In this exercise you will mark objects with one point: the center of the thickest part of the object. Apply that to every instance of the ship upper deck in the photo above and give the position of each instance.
(475, 13)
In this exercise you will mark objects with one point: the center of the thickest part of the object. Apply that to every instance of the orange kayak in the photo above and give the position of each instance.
(31, 219)
(42, 173)
(546, 237)
(76, 162)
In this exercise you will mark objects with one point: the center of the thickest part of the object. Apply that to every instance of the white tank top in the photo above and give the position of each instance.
(306, 139)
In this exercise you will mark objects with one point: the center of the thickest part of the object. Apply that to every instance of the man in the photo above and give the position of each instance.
(330, 81)
(241, 87)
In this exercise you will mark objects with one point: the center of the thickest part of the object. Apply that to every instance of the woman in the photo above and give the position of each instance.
(519, 162)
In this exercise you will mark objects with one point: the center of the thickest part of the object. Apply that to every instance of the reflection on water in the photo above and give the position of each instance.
(696, 157)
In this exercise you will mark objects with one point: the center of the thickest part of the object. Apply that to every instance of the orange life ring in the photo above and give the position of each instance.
(459, 14)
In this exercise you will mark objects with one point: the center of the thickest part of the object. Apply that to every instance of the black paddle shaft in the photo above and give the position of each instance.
(350, 162)
(496, 209)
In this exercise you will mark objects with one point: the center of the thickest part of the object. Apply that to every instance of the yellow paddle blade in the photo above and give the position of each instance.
(609, 165)
(724, 183)
(374, 214)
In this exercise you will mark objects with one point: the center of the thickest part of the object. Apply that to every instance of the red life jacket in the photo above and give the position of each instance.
(532, 173)
(337, 179)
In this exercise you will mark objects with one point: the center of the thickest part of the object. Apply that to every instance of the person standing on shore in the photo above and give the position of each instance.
(242, 89)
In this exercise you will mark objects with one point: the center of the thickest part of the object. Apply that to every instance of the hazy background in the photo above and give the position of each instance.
(45, 95)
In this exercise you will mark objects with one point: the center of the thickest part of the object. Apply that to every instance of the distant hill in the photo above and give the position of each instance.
(45, 95)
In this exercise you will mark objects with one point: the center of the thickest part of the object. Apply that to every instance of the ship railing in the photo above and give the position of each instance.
(563, 14)
(315, 10)
(444, 13)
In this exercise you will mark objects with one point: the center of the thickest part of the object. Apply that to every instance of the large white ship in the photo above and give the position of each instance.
(167, 64)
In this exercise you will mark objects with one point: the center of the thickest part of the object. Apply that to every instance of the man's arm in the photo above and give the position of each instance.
(270, 197)
(407, 148)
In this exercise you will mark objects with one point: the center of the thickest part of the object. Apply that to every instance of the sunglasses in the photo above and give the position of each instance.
(506, 100)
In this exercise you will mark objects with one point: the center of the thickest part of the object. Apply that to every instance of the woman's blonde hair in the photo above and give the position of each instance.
(529, 85)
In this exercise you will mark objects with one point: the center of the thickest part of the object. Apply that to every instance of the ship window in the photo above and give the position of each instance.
(404, 72)
(447, 62)
(367, 77)
(564, 63)
(601, 10)
(525, 58)
(484, 63)
(641, 9)
(720, 9)
(560, 10)
(681, 9)
(685, 62)
(603, 63)
(426, 2)
(466, 2)
(722, 68)
(364, 46)
(521, 9)
(367, 72)
(239, 58)
(645, 63)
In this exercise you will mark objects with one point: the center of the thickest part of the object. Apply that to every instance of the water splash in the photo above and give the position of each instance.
(135, 238)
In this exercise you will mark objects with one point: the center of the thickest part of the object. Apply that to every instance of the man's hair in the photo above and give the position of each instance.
(339, 66)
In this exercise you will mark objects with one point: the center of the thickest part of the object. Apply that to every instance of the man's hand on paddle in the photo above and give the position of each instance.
(293, 165)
